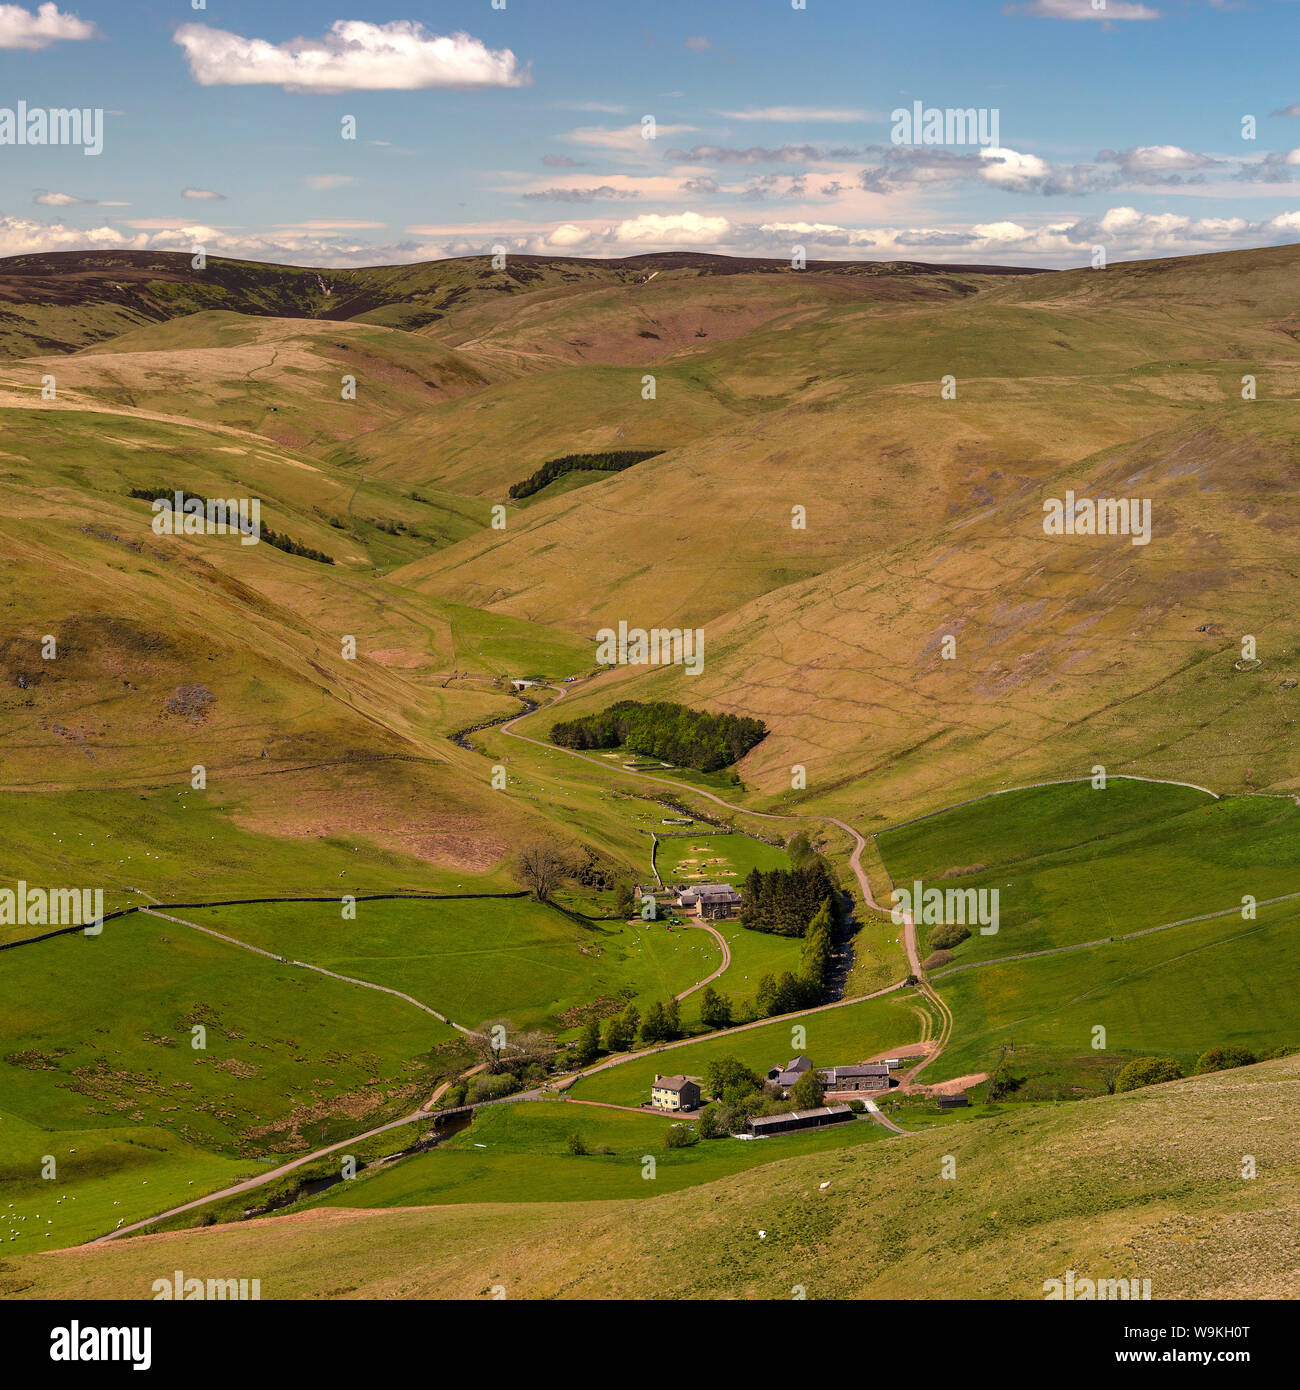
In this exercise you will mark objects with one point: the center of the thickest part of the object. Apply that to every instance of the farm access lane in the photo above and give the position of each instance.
(261, 1179)
(859, 841)
(855, 863)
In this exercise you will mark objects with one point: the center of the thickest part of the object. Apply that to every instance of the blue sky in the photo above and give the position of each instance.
(1119, 126)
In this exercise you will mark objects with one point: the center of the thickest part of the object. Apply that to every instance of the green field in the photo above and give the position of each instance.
(524, 1158)
(1074, 864)
(703, 858)
(104, 1027)
(101, 1176)
(98, 1068)
(832, 1037)
(481, 959)
(753, 955)
(499, 644)
(1173, 993)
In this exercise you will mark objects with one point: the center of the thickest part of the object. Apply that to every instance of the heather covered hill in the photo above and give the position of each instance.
(61, 300)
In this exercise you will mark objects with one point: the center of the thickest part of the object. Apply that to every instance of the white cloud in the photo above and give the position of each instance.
(20, 28)
(47, 199)
(353, 56)
(203, 194)
(813, 229)
(699, 43)
(1084, 9)
(20, 237)
(324, 181)
(568, 236)
(679, 228)
(802, 113)
(1165, 157)
(1012, 170)
(628, 138)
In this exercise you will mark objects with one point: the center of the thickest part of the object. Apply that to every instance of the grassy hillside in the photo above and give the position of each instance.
(185, 718)
(519, 961)
(1157, 1195)
(1074, 864)
(1173, 994)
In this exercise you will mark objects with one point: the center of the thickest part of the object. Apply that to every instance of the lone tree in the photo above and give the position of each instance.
(541, 869)
(808, 1092)
(1221, 1058)
(715, 1010)
(1147, 1071)
(588, 1044)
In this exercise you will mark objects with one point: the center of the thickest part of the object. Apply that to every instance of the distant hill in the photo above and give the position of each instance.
(68, 299)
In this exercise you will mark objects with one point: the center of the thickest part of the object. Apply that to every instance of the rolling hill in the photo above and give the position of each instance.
(847, 489)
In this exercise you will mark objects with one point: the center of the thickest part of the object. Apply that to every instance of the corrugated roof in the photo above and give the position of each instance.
(820, 1112)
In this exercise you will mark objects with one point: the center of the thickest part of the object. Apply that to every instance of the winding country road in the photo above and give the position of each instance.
(261, 1179)
(726, 959)
(859, 841)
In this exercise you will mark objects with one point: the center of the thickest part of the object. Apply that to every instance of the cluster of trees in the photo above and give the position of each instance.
(785, 901)
(672, 733)
(715, 1009)
(801, 989)
(275, 538)
(1147, 1071)
(623, 1031)
(737, 1092)
(945, 937)
(513, 1062)
(613, 461)
(292, 547)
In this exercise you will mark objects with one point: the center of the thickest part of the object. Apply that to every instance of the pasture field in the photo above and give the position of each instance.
(502, 645)
(1172, 993)
(480, 959)
(1074, 864)
(753, 955)
(702, 858)
(101, 1176)
(832, 1037)
(101, 1032)
(519, 1153)
(144, 845)
(918, 1113)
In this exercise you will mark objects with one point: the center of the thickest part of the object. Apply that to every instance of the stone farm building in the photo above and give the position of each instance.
(674, 1093)
(709, 901)
(798, 1119)
(839, 1083)
(851, 1081)
(785, 1077)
